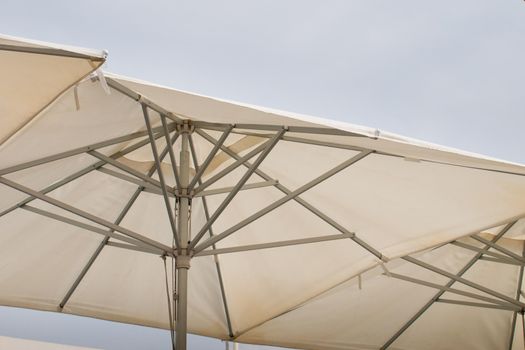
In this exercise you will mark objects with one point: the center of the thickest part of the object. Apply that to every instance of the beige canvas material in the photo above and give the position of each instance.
(407, 197)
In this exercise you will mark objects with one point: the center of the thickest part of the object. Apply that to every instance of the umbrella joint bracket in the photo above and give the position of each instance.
(186, 126)
(182, 261)
(184, 193)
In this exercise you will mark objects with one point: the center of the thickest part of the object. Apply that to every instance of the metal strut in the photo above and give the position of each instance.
(182, 260)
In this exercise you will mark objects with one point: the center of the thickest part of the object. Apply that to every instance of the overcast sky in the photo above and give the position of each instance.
(449, 72)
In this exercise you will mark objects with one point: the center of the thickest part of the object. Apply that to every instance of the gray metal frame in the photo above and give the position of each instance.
(260, 246)
(461, 272)
(158, 164)
(268, 148)
(185, 247)
(51, 52)
(518, 292)
(216, 259)
(281, 201)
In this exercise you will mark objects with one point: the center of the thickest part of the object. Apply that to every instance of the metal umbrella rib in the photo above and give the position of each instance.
(106, 240)
(298, 199)
(268, 148)
(85, 215)
(465, 268)
(282, 201)
(158, 164)
(210, 230)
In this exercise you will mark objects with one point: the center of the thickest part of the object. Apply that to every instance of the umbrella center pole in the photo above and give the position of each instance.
(182, 262)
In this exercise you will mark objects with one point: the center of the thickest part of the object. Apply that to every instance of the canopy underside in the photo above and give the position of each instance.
(340, 239)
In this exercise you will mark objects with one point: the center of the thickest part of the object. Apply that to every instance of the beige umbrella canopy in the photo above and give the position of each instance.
(137, 203)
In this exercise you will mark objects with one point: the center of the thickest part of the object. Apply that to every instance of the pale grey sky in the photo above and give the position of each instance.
(449, 72)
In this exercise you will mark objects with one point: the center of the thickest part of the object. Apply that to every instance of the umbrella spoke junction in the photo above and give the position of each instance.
(403, 204)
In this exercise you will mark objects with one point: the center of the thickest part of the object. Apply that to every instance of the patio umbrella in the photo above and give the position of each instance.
(128, 201)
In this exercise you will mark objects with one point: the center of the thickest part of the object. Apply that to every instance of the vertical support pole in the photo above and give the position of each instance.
(182, 263)
(515, 314)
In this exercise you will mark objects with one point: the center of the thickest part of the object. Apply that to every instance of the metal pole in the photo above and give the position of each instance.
(183, 259)
(515, 314)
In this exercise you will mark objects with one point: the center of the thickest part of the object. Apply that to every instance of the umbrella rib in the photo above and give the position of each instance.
(147, 186)
(230, 168)
(442, 289)
(51, 52)
(439, 294)
(269, 245)
(500, 257)
(452, 290)
(481, 305)
(499, 248)
(76, 151)
(106, 241)
(79, 174)
(210, 231)
(298, 199)
(462, 280)
(228, 189)
(170, 151)
(277, 127)
(84, 214)
(283, 200)
(141, 99)
(76, 223)
(134, 248)
(209, 158)
(268, 148)
(515, 313)
(97, 252)
(126, 168)
(161, 175)
(496, 260)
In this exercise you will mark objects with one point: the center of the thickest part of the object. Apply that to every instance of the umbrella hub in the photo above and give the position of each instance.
(185, 126)
(182, 262)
